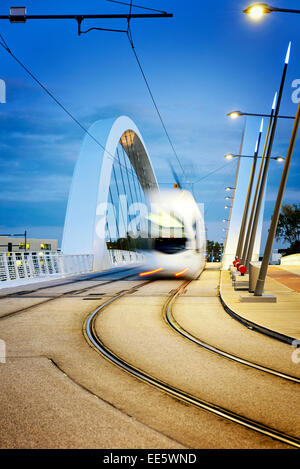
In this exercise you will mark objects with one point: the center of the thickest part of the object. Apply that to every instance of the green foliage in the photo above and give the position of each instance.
(288, 228)
(214, 251)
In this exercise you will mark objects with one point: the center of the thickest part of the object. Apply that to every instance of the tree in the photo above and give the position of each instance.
(288, 227)
(214, 251)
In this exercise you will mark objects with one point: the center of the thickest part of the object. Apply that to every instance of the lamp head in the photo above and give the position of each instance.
(257, 11)
(235, 114)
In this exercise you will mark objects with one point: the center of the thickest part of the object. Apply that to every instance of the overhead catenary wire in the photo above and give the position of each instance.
(136, 6)
(5, 46)
(51, 95)
(130, 38)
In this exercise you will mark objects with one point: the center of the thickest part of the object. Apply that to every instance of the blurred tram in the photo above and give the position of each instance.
(177, 236)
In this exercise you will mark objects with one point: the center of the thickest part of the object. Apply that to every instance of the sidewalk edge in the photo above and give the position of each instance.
(254, 326)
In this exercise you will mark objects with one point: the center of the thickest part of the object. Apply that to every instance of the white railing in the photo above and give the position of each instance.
(119, 257)
(17, 266)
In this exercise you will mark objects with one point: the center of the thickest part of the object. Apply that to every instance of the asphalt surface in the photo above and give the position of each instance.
(57, 392)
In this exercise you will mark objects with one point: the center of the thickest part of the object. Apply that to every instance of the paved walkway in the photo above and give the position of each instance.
(285, 276)
(282, 316)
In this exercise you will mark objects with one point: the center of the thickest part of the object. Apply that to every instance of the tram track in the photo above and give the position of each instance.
(171, 321)
(61, 295)
(92, 337)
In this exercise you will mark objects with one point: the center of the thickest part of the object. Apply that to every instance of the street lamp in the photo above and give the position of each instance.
(240, 242)
(229, 156)
(236, 114)
(258, 10)
(229, 188)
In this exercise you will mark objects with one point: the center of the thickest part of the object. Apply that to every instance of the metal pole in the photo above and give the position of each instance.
(243, 258)
(84, 16)
(235, 183)
(267, 160)
(247, 202)
(257, 203)
(273, 227)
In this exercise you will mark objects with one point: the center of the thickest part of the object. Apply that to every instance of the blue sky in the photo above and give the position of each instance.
(206, 61)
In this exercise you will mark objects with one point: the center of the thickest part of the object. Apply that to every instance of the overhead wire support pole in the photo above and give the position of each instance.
(22, 18)
(13, 18)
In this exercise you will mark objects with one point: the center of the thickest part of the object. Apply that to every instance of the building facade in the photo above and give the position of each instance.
(17, 244)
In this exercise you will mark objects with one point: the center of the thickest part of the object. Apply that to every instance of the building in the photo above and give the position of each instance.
(17, 244)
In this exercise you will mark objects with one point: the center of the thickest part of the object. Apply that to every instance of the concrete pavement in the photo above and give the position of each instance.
(283, 316)
(57, 392)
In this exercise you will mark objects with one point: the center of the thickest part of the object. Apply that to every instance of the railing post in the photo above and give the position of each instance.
(5, 262)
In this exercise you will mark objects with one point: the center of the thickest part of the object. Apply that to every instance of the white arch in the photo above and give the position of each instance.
(90, 186)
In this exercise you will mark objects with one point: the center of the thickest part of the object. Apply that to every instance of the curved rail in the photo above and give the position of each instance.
(95, 341)
(168, 316)
(61, 295)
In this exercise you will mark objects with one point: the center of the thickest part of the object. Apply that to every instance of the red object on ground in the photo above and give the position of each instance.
(242, 269)
(234, 262)
(238, 264)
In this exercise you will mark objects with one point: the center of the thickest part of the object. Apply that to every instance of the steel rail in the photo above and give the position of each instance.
(61, 295)
(169, 318)
(98, 345)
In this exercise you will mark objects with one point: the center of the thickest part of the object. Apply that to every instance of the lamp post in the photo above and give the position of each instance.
(17, 234)
(251, 229)
(235, 183)
(267, 159)
(236, 114)
(254, 216)
(273, 227)
(229, 156)
(248, 197)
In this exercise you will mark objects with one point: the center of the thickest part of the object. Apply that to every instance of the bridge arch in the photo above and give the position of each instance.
(90, 187)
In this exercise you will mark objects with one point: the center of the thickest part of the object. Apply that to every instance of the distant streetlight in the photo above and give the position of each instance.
(229, 156)
(226, 206)
(229, 188)
(227, 197)
(236, 114)
(258, 10)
